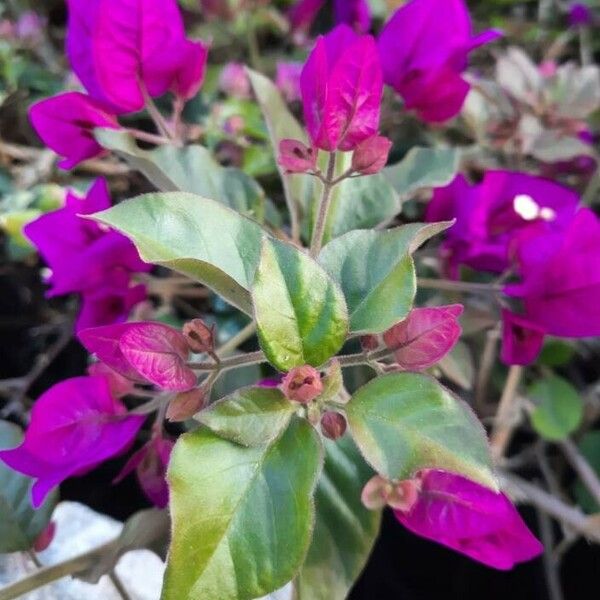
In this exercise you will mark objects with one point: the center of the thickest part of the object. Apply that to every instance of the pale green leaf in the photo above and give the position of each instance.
(423, 168)
(250, 416)
(345, 531)
(404, 422)
(300, 312)
(376, 273)
(242, 517)
(20, 524)
(195, 236)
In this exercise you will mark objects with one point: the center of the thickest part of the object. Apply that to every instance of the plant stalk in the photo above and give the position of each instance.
(319, 229)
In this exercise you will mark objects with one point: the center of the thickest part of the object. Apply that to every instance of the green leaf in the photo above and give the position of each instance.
(376, 273)
(281, 124)
(345, 531)
(300, 312)
(458, 366)
(356, 203)
(195, 236)
(250, 417)
(556, 352)
(423, 168)
(20, 524)
(404, 422)
(589, 446)
(242, 517)
(558, 410)
(189, 169)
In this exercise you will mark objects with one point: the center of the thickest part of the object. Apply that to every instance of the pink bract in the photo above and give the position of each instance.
(470, 519)
(425, 336)
(522, 339)
(341, 86)
(75, 426)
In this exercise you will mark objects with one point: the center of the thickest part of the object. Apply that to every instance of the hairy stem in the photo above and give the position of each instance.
(319, 228)
(582, 467)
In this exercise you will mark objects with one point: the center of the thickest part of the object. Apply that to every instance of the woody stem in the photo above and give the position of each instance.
(319, 229)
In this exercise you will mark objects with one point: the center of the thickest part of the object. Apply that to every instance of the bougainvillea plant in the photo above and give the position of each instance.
(284, 480)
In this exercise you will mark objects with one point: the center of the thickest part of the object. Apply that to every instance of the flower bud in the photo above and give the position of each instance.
(296, 157)
(399, 495)
(371, 155)
(199, 336)
(369, 342)
(185, 405)
(302, 384)
(234, 80)
(45, 538)
(333, 425)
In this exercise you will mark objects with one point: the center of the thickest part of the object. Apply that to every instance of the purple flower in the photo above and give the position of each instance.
(425, 336)
(341, 86)
(522, 340)
(489, 216)
(150, 464)
(65, 123)
(122, 50)
(87, 259)
(580, 14)
(74, 427)
(560, 279)
(82, 255)
(30, 26)
(288, 80)
(470, 519)
(424, 49)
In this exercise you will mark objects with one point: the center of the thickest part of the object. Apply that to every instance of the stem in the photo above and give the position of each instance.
(47, 575)
(250, 358)
(319, 230)
(504, 423)
(253, 46)
(488, 360)
(526, 492)
(237, 340)
(119, 585)
(156, 115)
(362, 358)
(458, 286)
(151, 138)
(551, 564)
(584, 470)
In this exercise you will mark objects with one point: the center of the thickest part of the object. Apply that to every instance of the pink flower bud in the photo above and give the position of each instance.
(234, 80)
(199, 336)
(399, 495)
(185, 405)
(296, 157)
(45, 538)
(369, 342)
(333, 425)
(375, 493)
(371, 155)
(302, 384)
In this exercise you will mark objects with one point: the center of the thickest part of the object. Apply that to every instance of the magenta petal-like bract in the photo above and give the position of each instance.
(104, 343)
(150, 464)
(123, 49)
(470, 519)
(74, 426)
(425, 336)
(65, 123)
(355, 13)
(424, 49)
(159, 353)
(522, 340)
(560, 279)
(341, 86)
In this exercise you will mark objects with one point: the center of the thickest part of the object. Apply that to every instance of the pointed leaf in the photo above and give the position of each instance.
(194, 236)
(224, 496)
(189, 169)
(300, 312)
(345, 531)
(423, 168)
(250, 417)
(404, 422)
(376, 273)
(20, 524)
